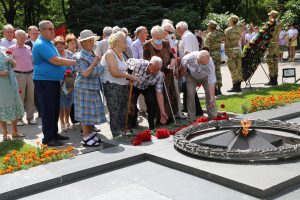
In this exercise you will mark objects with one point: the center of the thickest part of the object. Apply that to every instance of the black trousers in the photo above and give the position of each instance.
(199, 111)
(48, 93)
(151, 103)
(72, 114)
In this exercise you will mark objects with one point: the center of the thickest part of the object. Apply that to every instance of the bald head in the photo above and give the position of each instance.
(203, 57)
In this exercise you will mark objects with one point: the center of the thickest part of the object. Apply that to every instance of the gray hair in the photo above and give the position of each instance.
(115, 29)
(156, 59)
(8, 26)
(182, 25)
(107, 31)
(157, 29)
(203, 54)
(140, 29)
(167, 26)
(43, 24)
(19, 33)
(125, 30)
(166, 21)
(32, 27)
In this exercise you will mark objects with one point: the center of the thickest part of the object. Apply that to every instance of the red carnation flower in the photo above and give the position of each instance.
(222, 106)
(173, 50)
(8, 52)
(162, 133)
(202, 119)
(144, 136)
(136, 142)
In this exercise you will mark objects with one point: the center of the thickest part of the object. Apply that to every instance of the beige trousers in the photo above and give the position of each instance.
(26, 88)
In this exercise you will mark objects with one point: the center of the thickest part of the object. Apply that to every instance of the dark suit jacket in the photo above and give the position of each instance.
(29, 43)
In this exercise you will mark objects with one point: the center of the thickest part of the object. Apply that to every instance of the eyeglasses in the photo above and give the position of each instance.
(50, 29)
(170, 32)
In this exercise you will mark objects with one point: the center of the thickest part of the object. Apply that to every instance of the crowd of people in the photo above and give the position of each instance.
(73, 80)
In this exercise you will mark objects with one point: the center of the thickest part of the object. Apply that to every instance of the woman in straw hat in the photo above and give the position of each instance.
(89, 107)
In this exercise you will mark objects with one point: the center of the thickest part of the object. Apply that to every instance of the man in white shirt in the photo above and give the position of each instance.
(188, 43)
(200, 69)
(9, 33)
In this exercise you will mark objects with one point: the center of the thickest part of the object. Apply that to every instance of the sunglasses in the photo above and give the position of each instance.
(170, 32)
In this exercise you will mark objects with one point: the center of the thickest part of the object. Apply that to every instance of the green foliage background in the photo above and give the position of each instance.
(95, 14)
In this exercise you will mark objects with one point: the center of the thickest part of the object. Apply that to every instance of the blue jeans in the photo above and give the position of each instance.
(48, 93)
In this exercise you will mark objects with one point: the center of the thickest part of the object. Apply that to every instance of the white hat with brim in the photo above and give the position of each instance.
(87, 34)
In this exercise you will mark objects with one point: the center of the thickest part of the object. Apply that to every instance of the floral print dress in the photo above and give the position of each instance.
(11, 106)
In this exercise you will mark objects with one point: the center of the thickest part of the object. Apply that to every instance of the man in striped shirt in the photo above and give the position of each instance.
(150, 84)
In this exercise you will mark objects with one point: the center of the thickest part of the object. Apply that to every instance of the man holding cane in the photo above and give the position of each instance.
(150, 84)
(199, 69)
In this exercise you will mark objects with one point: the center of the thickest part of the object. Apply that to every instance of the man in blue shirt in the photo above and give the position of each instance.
(49, 70)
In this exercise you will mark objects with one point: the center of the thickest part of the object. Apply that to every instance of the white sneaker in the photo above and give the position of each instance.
(76, 124)
(8, 122)
(32, 122)
(20, 123)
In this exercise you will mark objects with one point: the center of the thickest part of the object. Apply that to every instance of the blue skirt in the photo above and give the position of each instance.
(89, 108)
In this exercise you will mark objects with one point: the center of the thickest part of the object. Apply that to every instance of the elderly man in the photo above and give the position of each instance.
(24, 69)
(189, 43)
(49, 70)
(103, 44)
(137, 52)
(150, 84)
(200, 69)
(8, 40)
(33, 33)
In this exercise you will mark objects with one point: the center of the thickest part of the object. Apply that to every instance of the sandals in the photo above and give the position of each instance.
(90, 142)
(95, 138)
(18, 136)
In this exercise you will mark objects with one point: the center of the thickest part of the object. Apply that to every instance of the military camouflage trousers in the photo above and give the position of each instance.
(217, 61)
(272, 59)
(235, 65)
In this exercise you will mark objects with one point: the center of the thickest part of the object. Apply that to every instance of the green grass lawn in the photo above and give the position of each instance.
(233, 102)
(7, 146)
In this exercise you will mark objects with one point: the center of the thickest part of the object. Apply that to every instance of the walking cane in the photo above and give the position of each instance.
(169, 102)
(128, 105)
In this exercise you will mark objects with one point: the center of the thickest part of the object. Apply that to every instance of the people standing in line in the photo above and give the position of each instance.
(187, 45)
(115, 81)
(213, 41)
(233, 51)
(89, 106)
(9, 33)
(11, 107)
(272, 55)
(138, 52)
(21, 53)
(48, 71)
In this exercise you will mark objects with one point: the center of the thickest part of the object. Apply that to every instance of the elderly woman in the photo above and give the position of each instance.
(66, 96)
(161, 48)
(11, 107)
(115, 83)
(89, 107)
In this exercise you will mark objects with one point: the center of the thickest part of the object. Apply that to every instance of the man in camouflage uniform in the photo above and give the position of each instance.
(273, 51)
(233, 51)
(213, 42)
